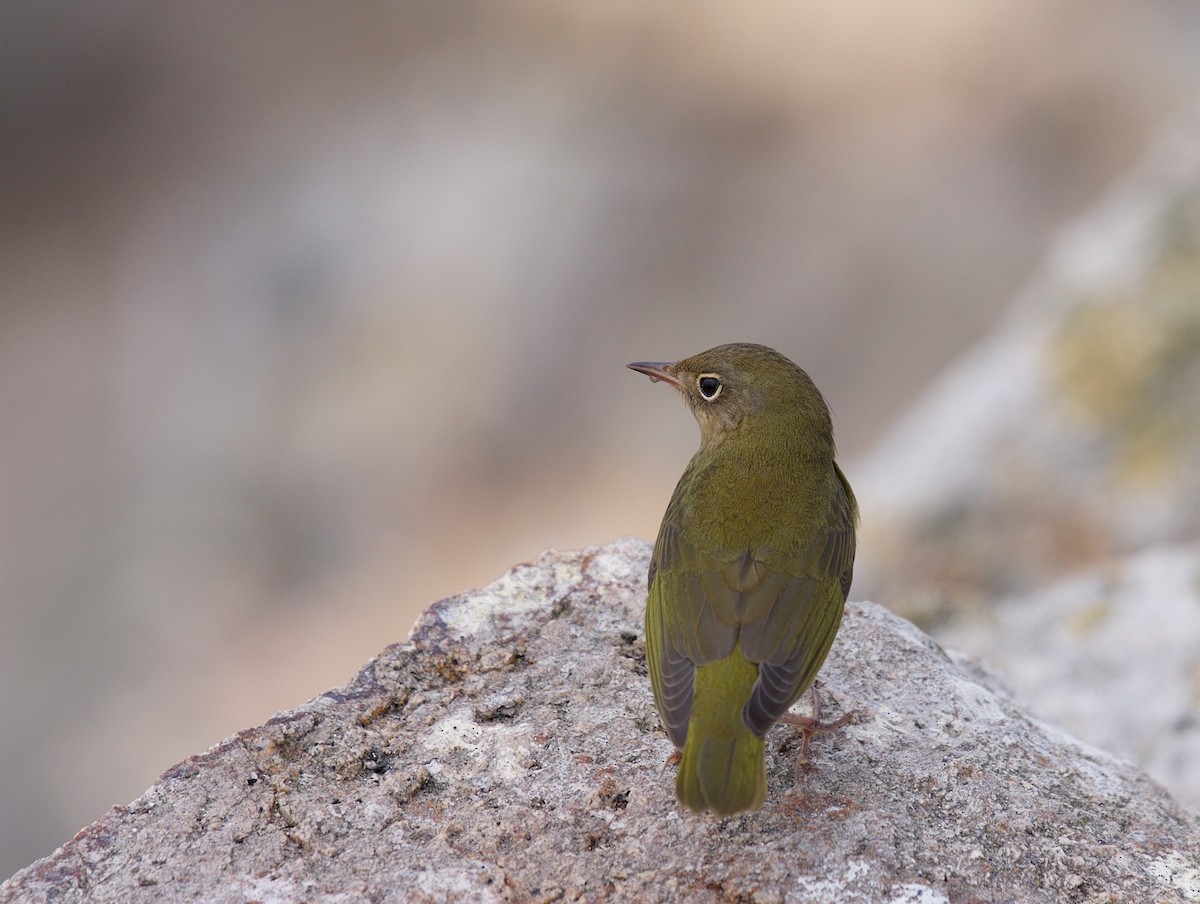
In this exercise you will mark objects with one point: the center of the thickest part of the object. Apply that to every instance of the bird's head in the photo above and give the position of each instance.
(743, 389)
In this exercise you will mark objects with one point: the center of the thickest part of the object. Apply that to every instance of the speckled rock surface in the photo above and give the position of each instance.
(1112, 655)
(509, 751)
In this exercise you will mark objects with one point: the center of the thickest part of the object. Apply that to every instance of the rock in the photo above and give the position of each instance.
(509, 751)
(1052, 455)
(1111, 655)
(1070, 434)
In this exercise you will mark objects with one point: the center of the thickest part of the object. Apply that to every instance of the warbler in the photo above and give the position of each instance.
(751, 568)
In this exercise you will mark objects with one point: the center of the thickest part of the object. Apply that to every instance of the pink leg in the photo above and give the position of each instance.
(812, 725)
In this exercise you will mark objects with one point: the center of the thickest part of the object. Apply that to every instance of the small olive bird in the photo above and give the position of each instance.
(751, 568)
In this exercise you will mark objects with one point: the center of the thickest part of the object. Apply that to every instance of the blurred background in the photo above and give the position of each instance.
(311, 314)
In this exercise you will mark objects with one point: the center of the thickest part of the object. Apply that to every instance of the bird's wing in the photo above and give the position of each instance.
(682, 626)
(797, 622)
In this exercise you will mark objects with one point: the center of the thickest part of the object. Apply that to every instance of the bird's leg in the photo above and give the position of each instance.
(673, 760)
(812, 725)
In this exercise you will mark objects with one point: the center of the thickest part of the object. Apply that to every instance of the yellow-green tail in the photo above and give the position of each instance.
(723, 768)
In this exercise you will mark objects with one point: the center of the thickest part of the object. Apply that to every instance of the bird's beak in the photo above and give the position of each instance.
(657, 370)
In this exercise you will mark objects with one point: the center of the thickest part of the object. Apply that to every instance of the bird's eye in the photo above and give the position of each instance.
(710, 386)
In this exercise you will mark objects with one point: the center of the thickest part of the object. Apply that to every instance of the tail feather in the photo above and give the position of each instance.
(723, 767)
(724, 775)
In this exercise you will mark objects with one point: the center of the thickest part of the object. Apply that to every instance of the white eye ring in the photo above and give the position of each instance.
(709, 386)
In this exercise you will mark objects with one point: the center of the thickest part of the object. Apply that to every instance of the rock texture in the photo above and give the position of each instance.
(1070, 434)
(1111, 654)
(510, 751)
(1038, 505)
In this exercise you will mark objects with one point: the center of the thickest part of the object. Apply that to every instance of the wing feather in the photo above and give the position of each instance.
(672, 674)
(791, 643)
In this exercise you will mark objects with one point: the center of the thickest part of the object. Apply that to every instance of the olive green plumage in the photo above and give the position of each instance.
(751, 568)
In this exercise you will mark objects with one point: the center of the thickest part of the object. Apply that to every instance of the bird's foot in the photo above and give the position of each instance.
(673, 760)
(812, 725)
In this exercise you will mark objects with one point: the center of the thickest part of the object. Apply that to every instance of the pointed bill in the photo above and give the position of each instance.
(657, 370)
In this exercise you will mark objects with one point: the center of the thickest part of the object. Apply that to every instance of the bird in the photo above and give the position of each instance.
(750, 571)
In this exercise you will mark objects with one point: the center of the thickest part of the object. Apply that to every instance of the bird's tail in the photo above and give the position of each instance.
(723, 768)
